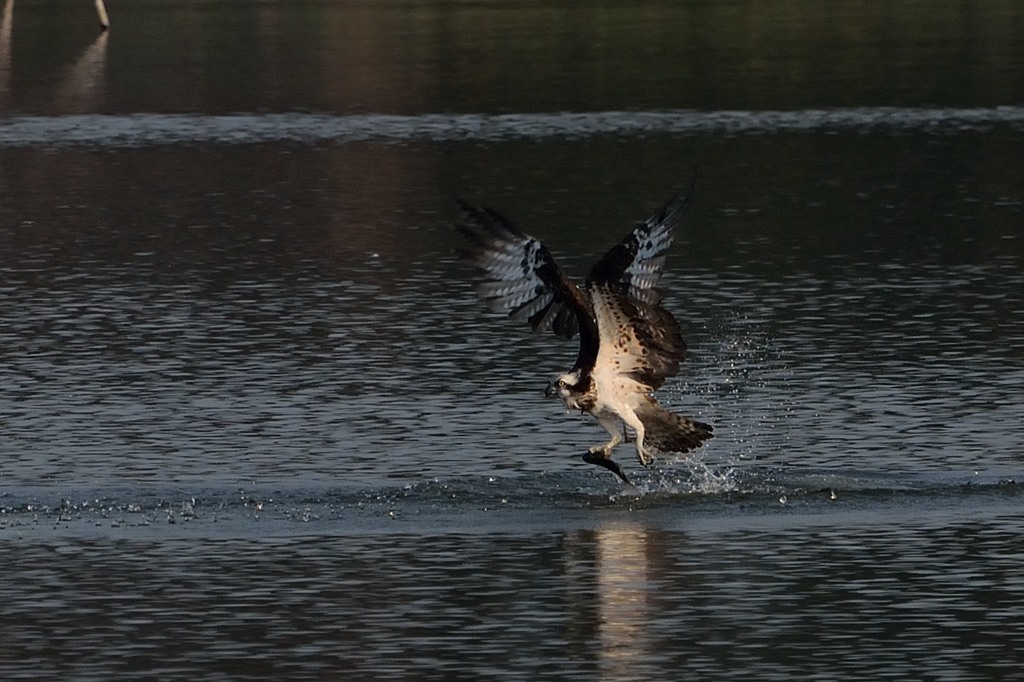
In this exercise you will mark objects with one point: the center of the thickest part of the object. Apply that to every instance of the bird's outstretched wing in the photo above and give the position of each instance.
(638, 339)
(633, 267)
(521, 278)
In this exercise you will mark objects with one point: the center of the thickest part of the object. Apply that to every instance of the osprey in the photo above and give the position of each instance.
(629, 343)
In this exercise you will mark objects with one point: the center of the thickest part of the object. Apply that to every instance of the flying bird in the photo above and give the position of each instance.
(629, 343)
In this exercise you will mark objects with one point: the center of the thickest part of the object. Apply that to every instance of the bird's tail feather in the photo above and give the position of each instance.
(669, 432)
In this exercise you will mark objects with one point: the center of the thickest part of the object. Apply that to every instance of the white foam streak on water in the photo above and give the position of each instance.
(144, 129)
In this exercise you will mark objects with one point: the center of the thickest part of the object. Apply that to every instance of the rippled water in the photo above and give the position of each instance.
(255, 424)
(616, 600)
(147, 129)
(260, 430)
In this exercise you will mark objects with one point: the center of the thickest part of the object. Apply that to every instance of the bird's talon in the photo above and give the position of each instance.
(645, 459)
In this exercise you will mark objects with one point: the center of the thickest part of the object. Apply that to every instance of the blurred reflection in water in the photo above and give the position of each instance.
(221, 57)
(6, 25)
(82, 88)
(622, 592)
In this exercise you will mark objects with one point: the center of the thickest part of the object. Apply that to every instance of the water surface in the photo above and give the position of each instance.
(254, 422)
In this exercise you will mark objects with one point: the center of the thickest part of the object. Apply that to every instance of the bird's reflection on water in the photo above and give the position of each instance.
(623, 590)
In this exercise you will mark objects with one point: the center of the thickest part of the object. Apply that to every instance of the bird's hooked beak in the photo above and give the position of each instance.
(551, 391)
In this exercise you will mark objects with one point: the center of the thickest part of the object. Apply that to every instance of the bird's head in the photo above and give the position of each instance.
(565, 387)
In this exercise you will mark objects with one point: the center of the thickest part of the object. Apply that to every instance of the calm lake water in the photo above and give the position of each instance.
(255, 424)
